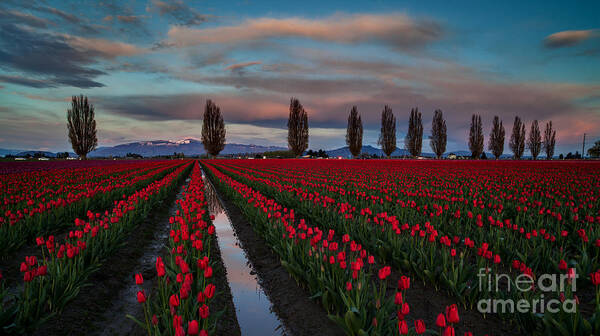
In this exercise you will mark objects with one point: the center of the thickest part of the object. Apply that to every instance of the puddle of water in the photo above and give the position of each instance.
(253, 308)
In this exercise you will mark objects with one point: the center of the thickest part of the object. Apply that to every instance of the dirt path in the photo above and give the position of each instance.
(300, 315)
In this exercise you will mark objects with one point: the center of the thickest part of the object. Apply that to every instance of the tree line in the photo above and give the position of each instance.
(413, 141)
(81, 126)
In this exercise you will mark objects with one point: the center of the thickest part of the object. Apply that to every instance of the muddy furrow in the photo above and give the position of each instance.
(300, 315)
(101, 307)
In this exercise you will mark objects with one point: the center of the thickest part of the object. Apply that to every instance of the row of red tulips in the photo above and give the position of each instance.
(52, 281)
(401, 243)
(550, 231)
(92, 189)
(335, 269)
(181, 303)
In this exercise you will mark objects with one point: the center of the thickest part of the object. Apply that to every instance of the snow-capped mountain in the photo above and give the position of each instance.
(189, 147)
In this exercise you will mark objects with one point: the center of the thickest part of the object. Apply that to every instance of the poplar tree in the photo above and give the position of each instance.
(413, 141)
(387, 137)
(81, 124)
(438, 137)
(297, 128)
(213, 129)
(496, 144)
(354, 132)
(476, 137)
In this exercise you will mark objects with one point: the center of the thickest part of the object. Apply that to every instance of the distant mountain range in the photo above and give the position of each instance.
(189, 147)
(22, 153)
(192, 147)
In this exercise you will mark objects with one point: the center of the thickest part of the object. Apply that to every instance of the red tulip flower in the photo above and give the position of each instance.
(204, 312)
(440, 321)
(174, 300)
(404, 283)
(209, 291)
(562, 265)
(402, 327)
(141, 297)
(452, 314)
(420, 327)
(193, 327)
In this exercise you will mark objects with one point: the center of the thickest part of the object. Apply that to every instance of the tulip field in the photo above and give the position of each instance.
(342, 227)
(384, 247)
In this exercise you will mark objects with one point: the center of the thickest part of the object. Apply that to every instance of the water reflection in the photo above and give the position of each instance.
(253, 307)
(214, 204)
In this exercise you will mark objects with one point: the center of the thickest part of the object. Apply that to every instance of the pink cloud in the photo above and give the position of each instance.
(569, 38)
(397, 30)
(105, 48)
(241, 65)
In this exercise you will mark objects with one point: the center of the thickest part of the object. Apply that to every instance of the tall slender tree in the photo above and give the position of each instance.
(297, 128)
(476, 137)
(438, 136)
(387, 137)
(413, 141)
(535, 140)
(354, 132)
(213, 129)
(549, 140)
(81, 124)
(496, 144)
(517, 139)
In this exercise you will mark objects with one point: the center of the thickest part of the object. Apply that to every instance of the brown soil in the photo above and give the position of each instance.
(300, 315)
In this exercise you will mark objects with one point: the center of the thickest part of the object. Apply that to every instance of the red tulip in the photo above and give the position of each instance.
(139, 279)
(208, 272)
(141, 297)
(384, 272)
(595, 278)
(405, 309)
(440, 321)
(402, 327)
(398, 298)
(174, 300)
(193, 327)
(209, 291)
(562, 265)
(160, 267)
(452, 314)
(419, 327)
(449, 331)
(404, 283)
(204, 312)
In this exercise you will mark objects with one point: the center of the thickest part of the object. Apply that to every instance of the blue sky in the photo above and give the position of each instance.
(149, 66)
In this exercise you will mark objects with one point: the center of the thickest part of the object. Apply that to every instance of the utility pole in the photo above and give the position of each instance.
(583, 147)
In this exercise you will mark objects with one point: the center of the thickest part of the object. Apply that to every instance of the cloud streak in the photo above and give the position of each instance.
(569, 38)
(240, 66)
(396, 30)
(14, 16)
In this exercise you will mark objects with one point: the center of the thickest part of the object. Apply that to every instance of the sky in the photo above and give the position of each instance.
(148, 67)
